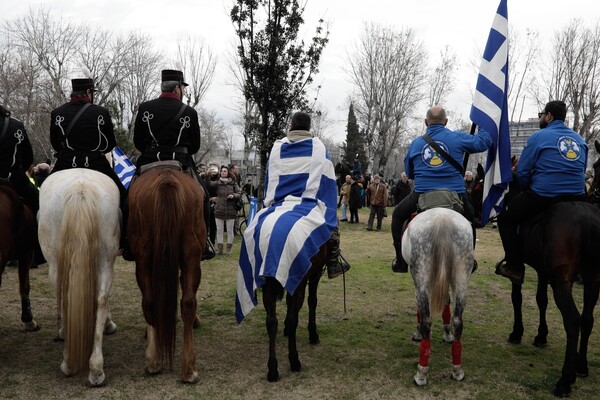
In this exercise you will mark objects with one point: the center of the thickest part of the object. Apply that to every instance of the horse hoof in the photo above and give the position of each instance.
(31, 326)
(96, 380)
(195, 378)
(540, 343)
(273, 376)
(421, 376)
(458, 374)
(448, 338)
(295, 366)
(65, 369)
(110, 328)
(152, 372)
(315, 340)
(416, 337)
(196, 323)
(514, 339)
(561, 392)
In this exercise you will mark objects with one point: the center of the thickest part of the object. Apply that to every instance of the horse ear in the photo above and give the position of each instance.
(597, 145)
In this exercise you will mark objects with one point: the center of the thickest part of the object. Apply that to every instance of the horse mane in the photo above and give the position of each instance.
(77, 278)
(442, 257)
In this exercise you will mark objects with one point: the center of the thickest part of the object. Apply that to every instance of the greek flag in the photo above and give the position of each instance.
(123, 166)
(490, 112)
(298, 216)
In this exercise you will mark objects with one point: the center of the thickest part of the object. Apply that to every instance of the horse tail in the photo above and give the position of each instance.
(77, 277)
(442, 249)
(169, 213)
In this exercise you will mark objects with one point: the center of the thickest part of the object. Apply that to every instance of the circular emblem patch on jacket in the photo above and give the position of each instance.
(569, 149)
(431, 157)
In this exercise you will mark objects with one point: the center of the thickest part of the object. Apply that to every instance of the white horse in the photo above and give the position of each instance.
(79, 233)
(438, 246)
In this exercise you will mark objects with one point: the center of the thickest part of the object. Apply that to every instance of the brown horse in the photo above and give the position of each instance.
(166, 235)
(17, 230)
(272, 292)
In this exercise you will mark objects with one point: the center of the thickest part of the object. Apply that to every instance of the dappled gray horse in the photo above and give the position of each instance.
(438, 246)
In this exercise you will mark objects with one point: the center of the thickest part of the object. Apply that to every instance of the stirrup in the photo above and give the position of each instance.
(209, 251)
(341, 266)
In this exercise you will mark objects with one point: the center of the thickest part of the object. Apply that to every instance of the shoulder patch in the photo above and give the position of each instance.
(431, 157)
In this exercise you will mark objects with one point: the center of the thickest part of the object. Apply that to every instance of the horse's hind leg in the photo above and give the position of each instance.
(270, 304)
(571, 319)
(96, 375)
(420, 377)
(190, 281)
(516, 297)
(590, 298)
(143, 274)
(29, 325)
(294, 304)
(457, 324)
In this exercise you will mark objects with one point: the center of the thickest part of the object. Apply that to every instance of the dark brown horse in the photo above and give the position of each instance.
(272, 292)
(560, 245)
(17, 233)
(166, 235)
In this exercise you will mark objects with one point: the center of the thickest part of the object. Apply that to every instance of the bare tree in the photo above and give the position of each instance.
(388, 69)
(198, 63)
(441, 80)
(521, 66)
(213, 134)
(574, 76)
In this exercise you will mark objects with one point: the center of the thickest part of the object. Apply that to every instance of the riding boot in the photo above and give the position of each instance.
(510, 267)
(220, 249)
(399, 265)
(336, 265)
(209, 251)
(229, 245)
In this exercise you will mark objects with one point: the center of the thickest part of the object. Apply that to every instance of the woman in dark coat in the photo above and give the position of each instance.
(227, 193)
(354, 200)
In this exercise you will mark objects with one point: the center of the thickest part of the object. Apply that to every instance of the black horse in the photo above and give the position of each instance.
(476, 193)
(560, 245)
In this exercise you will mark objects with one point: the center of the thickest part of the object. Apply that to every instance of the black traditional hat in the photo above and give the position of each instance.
(173, 75)
(82, 84)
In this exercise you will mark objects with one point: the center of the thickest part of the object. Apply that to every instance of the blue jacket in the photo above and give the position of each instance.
(553, 162)
(430, 170)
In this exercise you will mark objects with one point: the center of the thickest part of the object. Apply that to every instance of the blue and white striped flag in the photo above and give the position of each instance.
(299, 216)
(123, 166)
(490, 112)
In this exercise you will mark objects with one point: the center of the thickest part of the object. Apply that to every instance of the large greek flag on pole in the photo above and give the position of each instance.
(490, 112)
(298, 216)
(123, 166)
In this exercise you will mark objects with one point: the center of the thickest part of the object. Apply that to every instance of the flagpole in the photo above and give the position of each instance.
(466, 158)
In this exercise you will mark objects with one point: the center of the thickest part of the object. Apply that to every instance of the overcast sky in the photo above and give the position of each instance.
(461, 24)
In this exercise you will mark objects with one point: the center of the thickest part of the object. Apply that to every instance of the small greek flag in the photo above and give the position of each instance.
(123, 166)
(490, 113)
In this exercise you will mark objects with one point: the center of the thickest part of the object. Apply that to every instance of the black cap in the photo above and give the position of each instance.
(173, 75)
(82, 84)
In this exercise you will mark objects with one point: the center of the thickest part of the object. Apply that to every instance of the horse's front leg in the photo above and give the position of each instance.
(96, 375)
(270, 304)
(571, 319)
(294, 304)
(516, 297)
(29, 325)
(190, 281)
(541, 297)
(313, 284)
(420, 377)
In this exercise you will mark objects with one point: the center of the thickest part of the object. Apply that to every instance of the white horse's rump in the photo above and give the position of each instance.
(79, 233)
(438, 246)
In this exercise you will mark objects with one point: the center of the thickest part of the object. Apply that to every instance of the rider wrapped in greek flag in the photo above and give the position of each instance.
(298, 216)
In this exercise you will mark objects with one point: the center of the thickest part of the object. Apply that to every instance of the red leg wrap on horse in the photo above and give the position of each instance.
(424, 351)
(446, 314)
(456, 352)
(418, 317)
